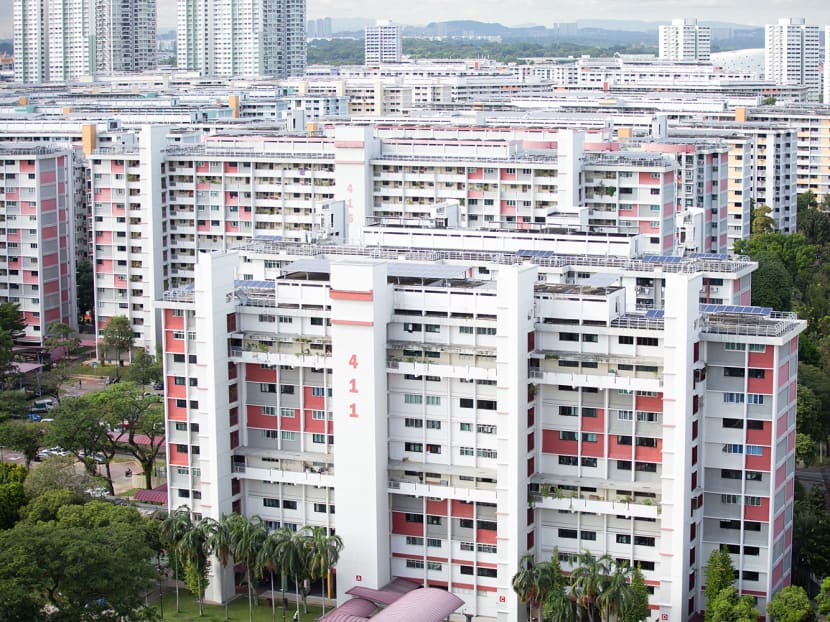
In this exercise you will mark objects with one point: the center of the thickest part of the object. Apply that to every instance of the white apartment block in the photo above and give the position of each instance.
(125, 35)
(493, 405)
(792, 54)
(381, 44)
(685, 40)
(36, 236)
(31, 35)
(247, 38)
(70, 40)
(826, 91)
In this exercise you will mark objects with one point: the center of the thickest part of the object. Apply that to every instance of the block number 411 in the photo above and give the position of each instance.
(353, 386)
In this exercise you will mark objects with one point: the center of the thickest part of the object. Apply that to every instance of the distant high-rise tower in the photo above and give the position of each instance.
(382, 44)
(685, 40)
(125, 35)
(60, 40)
(826, 99)
(792, 54)
(31, 52)
(242, 38)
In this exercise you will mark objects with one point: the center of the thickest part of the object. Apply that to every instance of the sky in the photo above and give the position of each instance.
(542, 12)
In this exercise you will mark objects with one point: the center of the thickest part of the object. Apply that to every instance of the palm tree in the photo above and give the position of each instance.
(193, 547)
(247, 535)
(323, 556)
(269, 558)
(525, 582)
(588, 580)
(171, 533)
(616, 593)
(293, 555)
(219, 542)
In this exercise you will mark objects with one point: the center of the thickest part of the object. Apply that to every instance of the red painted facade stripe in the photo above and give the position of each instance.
(337, 294)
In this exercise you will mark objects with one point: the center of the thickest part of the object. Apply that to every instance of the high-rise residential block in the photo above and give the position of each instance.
(382, 44)
(246, 38)
(36, 236)
(125, 35)
(826, 94)
(685, 40)
(792, 54)
(492, 405)
(31, 36)
(70, 51)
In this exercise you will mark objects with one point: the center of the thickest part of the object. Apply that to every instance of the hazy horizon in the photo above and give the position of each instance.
(523, 12)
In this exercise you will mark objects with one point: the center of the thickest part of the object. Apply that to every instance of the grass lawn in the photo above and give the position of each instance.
(238, 610)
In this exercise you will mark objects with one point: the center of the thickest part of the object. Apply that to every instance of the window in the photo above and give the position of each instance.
(733, 448)
(567, 436)
(625, 415)
(466, 330)
(466, 427)
(624, 465)
(734, 347)
(318, 391)
(434, 542)
(623, 538)
(271, 503)
(645, 467)
(623, 440)
(409, 422)
(433, 520)
(644, 540)
(410, 540)
(733, 372)
(321, 508)
(626, 339)
(289, 504)
(485, 330)
(287, 389)
(733, 398)
(413, 447)
(648, 417)
(757, 347)
(487, 548)
(754, 450)
(287, 412)
(433, 400)
(487, 572)
(569, 336)
(754, 476)
(730, 524)
(288, 436)
(753, 501)
(414, 563)
(568, 460)
(757, 373)
(589, 437)
(755, 398)
(588, 462)
(413, 398)
(737, 424)
(568, 411)
(730, 474)
(729, 499)
(466, 402)
(318, 415)
(486, 453)
(647, 341)
(589, 412)
(588, 535)
(320, 439)
(433, 449)
(414, 518)
(468, 570)
(466, 523)
(486, 429)
(750, 575)
(646, 441)
(181, 427)
(572, 534)
(589, 338)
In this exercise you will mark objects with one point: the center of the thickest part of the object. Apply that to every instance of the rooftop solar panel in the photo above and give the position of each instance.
(655, 313)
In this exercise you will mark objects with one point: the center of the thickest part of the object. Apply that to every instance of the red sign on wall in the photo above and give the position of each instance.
(358, 577)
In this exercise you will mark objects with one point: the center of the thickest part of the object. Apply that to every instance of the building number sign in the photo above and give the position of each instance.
(353, 386)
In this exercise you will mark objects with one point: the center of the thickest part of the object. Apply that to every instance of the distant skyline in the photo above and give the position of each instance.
(523, 12)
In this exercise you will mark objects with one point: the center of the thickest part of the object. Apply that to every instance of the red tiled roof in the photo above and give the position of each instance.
(139, 439)
(156, 495)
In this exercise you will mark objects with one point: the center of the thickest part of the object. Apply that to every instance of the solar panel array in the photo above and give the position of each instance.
(722, 256)
(662, 259)
(655, 313)
(529, 253)
(256, 284)
(707, 308)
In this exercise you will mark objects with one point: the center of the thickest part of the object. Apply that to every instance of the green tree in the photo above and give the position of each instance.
(762, 222)
(12, 321)
(171, 533)
(219, 544)
(193, 551)
(811, 538)
(12, 499)
(56, 473)
(45, 508)
(117, 336)
(247, 535)
(614, 599)
(27, 438)
(293, 556)
(87, 572)
(136, 422)
(13, 404)
(823, 598)
(588, 580)
(144, 368)
(805, 448)
(637, 609)
(771, 283)
(727, 606)
(323, 556)
(720, 573)
(78, 427)
(85, 288)
(790, 604)
(269, 560)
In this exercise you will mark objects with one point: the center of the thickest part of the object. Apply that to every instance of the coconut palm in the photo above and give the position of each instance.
(323, 556)
(526, 581)
(292, 552)
(247, 535)
(616, 593)
(193, 548)
(269, 558)
(171, 533)
(219, 542)
(588, 580)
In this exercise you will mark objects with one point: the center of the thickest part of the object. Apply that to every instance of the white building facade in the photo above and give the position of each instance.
(382, 44)
(685, 40)
(792, 54)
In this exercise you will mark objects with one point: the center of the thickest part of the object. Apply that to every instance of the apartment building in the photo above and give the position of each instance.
(791, 48)
(125, 36)
(36, 241)
(69, 47)
(494, 404)
(249, 38)
(381, 44)
(685, 40)
(30, 21)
